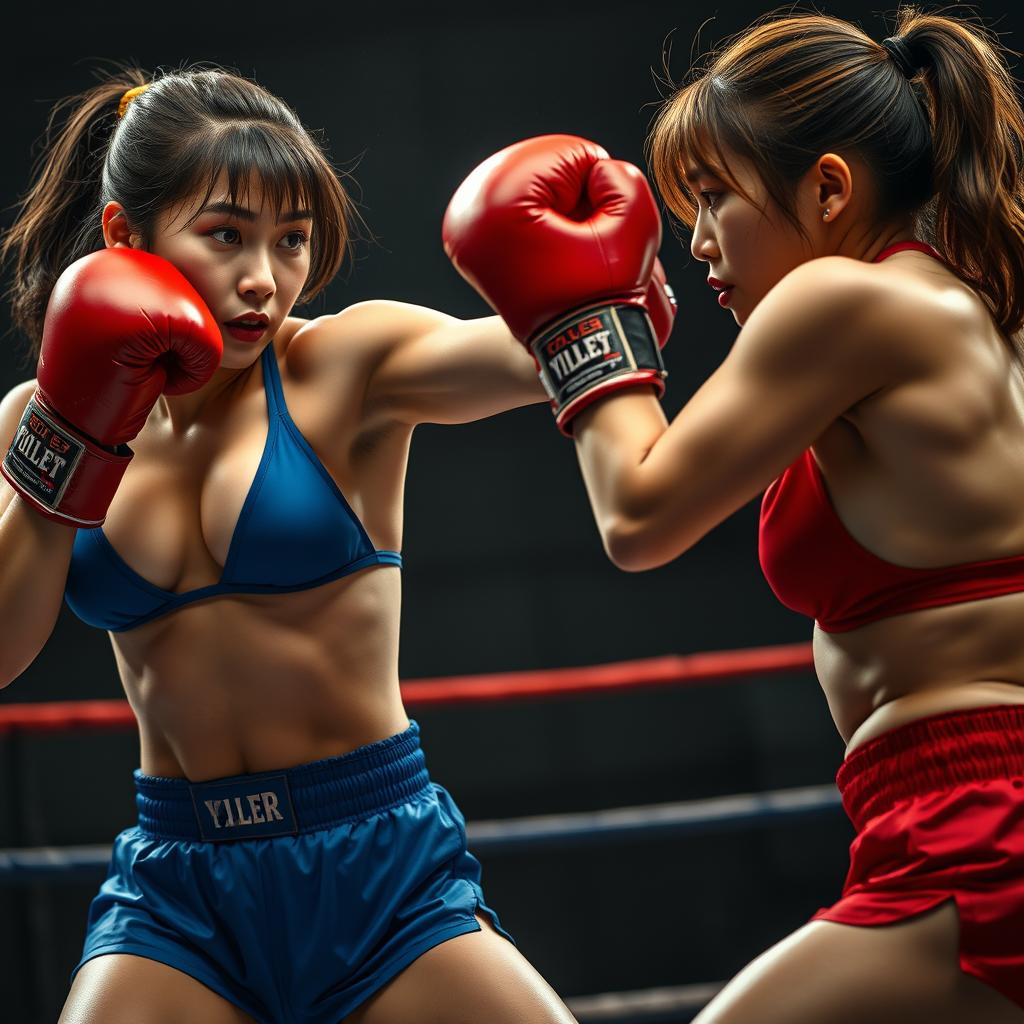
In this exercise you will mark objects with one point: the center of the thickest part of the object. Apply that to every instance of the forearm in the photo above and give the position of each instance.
(35, 554)
(615, 439)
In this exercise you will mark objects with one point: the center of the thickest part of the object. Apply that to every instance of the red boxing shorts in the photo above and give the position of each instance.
(938, 806)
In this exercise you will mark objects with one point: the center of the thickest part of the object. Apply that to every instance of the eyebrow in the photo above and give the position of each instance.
(697, 171)
(244, 213)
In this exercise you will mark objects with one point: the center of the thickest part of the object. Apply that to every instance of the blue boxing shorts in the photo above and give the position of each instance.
(298, 894)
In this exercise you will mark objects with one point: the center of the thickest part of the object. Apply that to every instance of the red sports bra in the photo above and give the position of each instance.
(815, 567)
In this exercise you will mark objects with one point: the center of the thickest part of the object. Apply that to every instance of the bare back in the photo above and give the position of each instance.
(931, 473)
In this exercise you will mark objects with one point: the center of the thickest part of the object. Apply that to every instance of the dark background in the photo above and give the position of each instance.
(504, 568)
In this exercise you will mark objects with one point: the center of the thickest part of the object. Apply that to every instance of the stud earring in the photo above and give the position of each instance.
(824, 216)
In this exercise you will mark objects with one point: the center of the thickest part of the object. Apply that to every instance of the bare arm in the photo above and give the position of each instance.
(427, 367)
(35, 554)
(821, 341)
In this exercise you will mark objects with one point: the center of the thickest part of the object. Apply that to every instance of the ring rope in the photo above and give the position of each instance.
(654, 821)
(79, 863)
(654, 1004)
(645, 673)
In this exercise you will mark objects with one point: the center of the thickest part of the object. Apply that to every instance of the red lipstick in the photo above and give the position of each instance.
(248, 327)
(724, 290)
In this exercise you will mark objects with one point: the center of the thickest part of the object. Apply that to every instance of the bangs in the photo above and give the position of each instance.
(287, 173)
(692, 133)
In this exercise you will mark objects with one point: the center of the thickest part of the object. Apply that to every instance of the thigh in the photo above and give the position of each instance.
(479, 976)
(826, 973)
(118, 988)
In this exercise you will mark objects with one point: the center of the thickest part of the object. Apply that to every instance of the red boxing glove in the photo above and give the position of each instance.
(561, 241)
(660, 302)
(122, 326)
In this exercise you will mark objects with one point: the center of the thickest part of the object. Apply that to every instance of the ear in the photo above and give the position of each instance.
(117, 232)
(832, 180)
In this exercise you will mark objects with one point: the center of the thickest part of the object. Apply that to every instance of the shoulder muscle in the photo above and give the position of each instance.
(837, 325)
(369, 329)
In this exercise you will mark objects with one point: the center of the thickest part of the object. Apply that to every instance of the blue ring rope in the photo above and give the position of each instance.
(588, 828)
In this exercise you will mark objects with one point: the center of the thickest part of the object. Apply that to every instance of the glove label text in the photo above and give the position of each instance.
(594, 346)
(43, 456)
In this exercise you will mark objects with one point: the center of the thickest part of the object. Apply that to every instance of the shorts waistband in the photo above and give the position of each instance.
(318, 795)
(932, 754)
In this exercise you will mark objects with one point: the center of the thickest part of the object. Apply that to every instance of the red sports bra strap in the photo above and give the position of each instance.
(904, 246)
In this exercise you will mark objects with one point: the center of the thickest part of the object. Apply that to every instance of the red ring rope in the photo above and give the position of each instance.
(669, 670)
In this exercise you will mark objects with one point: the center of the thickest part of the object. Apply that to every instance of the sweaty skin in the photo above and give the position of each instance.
(250, 683)
(931, 474)
(912, 400)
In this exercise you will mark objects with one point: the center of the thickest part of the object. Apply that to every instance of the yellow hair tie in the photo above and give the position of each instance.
(126, 99)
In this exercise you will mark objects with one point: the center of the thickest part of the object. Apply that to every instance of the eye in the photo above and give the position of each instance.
(295, 240)
(710, 197)
(232, 233)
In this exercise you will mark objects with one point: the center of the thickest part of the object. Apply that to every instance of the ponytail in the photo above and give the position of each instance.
(58, 218)
(187, 131)
(976, 218)
(933, 113)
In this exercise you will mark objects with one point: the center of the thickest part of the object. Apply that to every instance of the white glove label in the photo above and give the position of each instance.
(43, 457)
(593, 346)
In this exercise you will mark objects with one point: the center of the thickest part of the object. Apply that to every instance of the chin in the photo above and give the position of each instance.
(742, 315)
(240, 357)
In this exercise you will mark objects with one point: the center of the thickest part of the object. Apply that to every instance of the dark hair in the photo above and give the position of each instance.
(947, 144)
(174, 139)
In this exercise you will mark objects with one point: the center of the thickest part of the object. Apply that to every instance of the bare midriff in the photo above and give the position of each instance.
(255, 683)
(248, 683)
(897, 670)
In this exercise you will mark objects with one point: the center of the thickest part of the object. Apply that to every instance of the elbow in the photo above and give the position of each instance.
(16, 663)
(9, 672)
(634, 546)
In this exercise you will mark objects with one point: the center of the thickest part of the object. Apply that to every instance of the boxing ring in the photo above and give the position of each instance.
(663, 821)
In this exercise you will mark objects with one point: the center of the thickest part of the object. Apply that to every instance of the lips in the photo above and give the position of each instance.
(723, 288)
(251, 320)
(248, 326)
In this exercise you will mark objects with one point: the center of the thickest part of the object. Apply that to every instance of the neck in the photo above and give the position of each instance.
(182, 412)
(865, 242)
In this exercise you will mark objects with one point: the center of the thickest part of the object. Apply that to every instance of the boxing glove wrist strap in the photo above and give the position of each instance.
(594, 351)
(65, 476)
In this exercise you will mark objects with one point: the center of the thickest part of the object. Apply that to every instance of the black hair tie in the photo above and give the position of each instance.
(901, 53)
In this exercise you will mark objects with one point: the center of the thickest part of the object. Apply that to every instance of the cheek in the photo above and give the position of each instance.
(765, 253)
(195, 262)
(744, 250)
(291, 279)
(745, 246)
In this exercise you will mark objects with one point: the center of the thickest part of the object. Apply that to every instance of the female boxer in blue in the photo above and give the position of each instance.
(292, 861)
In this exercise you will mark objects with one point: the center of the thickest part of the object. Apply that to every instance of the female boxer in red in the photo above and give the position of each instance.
(292, 860)
(876, 390)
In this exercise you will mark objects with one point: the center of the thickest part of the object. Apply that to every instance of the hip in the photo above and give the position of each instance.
(913, 707)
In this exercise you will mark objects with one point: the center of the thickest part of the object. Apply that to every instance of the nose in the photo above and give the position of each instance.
(257, 278)
(703, 245)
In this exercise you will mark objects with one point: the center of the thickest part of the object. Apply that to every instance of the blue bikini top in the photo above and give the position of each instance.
(296, 531)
